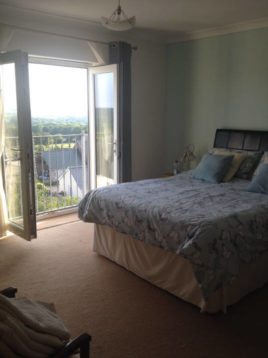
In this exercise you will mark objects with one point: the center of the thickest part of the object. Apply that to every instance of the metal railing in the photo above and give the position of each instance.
(61, 168)
(60, 171)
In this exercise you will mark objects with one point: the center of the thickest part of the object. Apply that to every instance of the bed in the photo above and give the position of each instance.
(205, 243)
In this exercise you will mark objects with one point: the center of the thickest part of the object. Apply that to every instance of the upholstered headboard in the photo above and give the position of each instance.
(241, 139)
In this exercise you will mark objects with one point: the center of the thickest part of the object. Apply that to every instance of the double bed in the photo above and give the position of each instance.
(206, 243)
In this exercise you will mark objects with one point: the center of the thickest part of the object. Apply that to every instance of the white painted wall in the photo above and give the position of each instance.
(49, 46)
(148, 98)
(148, 74)
(216, 82)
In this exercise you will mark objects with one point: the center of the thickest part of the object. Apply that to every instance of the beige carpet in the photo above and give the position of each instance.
(45, 222)
(126, 316)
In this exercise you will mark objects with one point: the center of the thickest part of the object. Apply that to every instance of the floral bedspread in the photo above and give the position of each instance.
(215, 226)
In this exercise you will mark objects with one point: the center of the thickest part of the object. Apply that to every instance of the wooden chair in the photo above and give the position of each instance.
(80, 344)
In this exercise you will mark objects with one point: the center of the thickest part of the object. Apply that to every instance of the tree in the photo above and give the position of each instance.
(46, 201)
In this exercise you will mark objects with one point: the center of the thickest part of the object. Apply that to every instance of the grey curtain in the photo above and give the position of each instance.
(120, 53)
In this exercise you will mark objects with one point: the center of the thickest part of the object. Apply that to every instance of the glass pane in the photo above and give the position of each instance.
(59, 107)
(104, 124)
(12, 160)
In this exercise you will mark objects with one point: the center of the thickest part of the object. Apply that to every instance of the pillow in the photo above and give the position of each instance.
(238, 158)
(212, 167)
(264, 160)
(259, 183)
(249, 165)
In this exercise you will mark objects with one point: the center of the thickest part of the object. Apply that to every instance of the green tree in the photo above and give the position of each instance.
(48, 202)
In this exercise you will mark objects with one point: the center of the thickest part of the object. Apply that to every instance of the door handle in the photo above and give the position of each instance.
(115, 147)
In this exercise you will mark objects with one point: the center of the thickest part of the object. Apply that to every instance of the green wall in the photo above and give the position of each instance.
(218, 82)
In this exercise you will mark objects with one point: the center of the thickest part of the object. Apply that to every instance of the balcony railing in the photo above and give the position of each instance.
(60, 171)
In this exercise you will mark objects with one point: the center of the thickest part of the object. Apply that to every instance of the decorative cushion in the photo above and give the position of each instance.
(259, 183)
(212, 167)
(264, 160)
(238, 158)
(249, 165)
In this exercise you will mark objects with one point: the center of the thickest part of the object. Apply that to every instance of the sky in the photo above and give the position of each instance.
(57, 91)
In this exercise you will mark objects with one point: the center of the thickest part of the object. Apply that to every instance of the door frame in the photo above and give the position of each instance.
(112, 68)
(50, 61)
(20, 60)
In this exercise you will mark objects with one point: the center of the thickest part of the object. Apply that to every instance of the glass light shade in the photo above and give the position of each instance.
(118, 21)
(118, 24)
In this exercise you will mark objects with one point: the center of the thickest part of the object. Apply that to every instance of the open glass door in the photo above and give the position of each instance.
(103, 126)
(17, 159)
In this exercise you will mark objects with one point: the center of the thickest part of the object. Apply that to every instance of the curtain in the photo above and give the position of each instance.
(3, 208)
(120, 53)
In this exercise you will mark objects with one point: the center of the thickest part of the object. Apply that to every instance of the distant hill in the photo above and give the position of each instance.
(46, 126)
(67, 120)
(63, 125)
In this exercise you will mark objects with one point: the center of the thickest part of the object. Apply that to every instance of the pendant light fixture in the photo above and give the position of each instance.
(118, 21)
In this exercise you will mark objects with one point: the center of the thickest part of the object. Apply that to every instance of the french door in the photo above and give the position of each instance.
(17, 157)
(103, 124)
(17, 167)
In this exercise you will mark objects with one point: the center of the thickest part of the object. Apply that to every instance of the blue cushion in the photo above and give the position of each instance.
(259, 183)
(212, 167)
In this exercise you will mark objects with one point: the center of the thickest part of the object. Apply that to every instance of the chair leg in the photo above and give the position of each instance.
(9, 292)
(85, 348)
(81, 343)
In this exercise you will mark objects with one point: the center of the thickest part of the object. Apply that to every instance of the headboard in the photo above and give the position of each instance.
(241, 139)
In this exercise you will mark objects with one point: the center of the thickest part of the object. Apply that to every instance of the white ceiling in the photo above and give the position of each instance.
(177, 16)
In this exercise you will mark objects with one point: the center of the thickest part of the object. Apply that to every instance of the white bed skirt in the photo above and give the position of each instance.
(173, 273)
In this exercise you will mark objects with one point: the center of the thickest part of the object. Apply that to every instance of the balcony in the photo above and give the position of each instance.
(60, 168)
(61, 178)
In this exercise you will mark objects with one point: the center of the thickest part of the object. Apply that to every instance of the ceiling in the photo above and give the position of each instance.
(176, 16)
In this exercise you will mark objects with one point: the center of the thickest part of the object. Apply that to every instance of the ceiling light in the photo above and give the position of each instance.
(118, 21)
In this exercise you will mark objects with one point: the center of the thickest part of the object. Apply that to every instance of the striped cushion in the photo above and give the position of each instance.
(238, 158)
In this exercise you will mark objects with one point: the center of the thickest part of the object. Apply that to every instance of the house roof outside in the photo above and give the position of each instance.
(77, 173)
(62, 159)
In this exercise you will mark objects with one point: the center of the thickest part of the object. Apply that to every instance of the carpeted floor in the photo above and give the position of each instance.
(126, 316)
